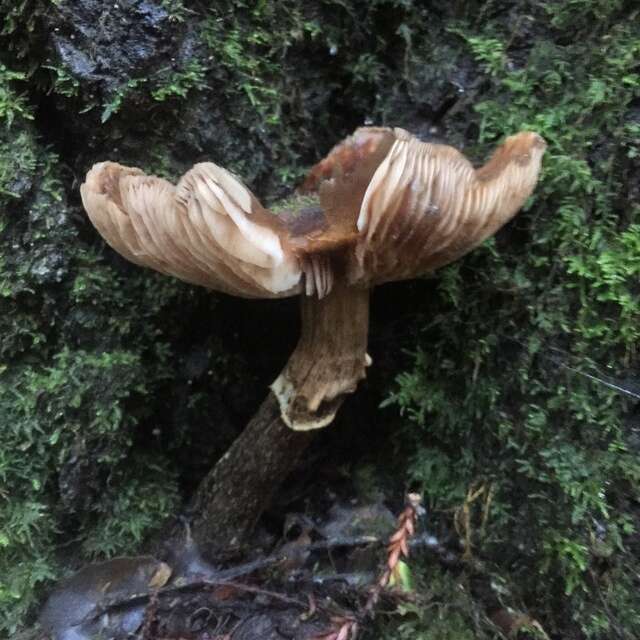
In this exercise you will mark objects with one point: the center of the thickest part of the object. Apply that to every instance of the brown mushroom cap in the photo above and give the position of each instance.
(387, 207)
(426, 205)
(209, 229)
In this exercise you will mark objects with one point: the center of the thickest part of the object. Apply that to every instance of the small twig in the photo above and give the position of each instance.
(344, 628)
(398, 547)
(150, 614)
(426, 540)
(462, 518)
(282, 554)
(199, 585)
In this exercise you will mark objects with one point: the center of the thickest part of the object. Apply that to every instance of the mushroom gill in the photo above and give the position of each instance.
(385, 207)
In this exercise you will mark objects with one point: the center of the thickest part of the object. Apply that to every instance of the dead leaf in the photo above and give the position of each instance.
(161, 576)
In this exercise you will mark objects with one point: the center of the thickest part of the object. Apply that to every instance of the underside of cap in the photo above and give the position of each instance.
(208, 230)
(426, 205)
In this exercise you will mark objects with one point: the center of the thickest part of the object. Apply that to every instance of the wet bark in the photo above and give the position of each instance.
(234, 494)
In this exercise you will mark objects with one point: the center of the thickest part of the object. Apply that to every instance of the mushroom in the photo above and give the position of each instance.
(382, 206)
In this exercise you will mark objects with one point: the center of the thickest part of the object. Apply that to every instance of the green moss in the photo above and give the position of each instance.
(73, 382)
(446, 612)
(12, 105)
(59, 400)
(180, 82)
(22, 30)
(176, 10)
(117, 97)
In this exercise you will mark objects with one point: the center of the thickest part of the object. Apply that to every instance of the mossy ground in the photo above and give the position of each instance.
(516, 370)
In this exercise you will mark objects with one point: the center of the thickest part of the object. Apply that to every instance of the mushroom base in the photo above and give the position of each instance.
(329, 360)
(234, 494)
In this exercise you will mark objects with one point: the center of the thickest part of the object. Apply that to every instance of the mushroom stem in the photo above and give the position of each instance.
(328, 363)
(234, 494)
(329, 360)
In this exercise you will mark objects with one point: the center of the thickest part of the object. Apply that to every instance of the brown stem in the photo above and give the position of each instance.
(233, 495)
(329, 360)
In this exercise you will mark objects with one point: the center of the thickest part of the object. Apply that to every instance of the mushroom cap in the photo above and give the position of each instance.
(209, 229)
(387, 207)
(426, 205)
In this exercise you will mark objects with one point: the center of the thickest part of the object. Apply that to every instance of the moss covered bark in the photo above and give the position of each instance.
(118, 388)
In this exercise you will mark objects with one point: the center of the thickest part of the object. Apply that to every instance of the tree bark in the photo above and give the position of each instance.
(234, 494)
